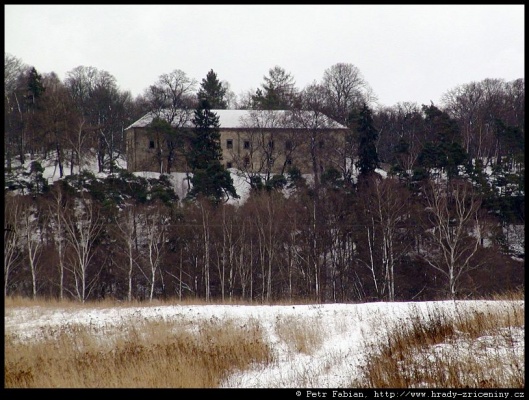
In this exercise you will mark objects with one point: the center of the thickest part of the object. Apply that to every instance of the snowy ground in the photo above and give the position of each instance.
(349, 331)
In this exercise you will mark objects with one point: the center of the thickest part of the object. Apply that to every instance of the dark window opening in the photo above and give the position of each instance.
(228, 164)
(246, 161)
(321, 144)
(288, 145)
(151, 144)
(271, 144)
(229, 144)
(246, 144)
(289, 161)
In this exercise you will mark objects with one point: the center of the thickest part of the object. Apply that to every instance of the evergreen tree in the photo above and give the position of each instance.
(35, 87)
(367, 136)
(278, 93)
(212, 90)
(444, 149)
(210, 178)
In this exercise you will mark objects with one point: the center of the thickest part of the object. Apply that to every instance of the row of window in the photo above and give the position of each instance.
(246, 144)
(246, 162)
(229, 144)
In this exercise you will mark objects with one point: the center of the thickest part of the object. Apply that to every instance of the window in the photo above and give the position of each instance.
(289, 160)
(321, 144)
(151, 144)
(288, 145)
(228, 164)
(271, 144)
(246, 161)
(246, 144)
(229, 144)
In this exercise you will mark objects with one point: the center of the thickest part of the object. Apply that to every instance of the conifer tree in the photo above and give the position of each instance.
(35, 86)
(213, 91)
(210, 179)
(278, 91)
(367, 137)
(444, 150)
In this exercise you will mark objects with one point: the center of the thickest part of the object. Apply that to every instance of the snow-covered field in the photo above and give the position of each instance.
(349, 333)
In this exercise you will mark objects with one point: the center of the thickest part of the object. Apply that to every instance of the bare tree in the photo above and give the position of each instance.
(205, 214)
(456, 230)
(345, 91)
(127, 233)
(78, 142)
(33, 241)
(228, 251)
(400, 135)
(82, 227)
(390, 205)
(171, 99)
(230, 96)
(154, 231)
(103, 108)
(477, 106)
(13, 67)
(12, 237)
(57, 209)
(61, 117)
(244, 260)
(264, 148)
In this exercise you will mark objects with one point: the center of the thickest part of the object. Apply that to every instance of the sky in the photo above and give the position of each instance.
(348, 334)
(406, 53)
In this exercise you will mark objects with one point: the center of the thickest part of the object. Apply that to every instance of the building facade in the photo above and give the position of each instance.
(253, 141)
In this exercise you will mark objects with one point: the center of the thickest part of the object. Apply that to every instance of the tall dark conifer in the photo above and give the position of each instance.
(212, 90)
(210, 178)
(444, 150)
(367, 138)
(35, 86)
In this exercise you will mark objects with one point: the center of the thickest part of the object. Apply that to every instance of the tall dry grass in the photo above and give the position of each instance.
(146, 354)
(476, 349)
(436, 349)
(300, 335)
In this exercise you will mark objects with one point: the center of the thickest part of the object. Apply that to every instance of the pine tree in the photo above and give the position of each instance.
(210, 178)
(367, 137)
(212, 90)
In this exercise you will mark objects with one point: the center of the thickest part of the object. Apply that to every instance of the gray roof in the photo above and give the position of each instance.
(241, 119)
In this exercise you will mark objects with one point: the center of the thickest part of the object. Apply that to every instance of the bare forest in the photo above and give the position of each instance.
(425, 203)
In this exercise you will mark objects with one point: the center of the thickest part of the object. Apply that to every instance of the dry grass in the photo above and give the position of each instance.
(300, 335)
(149, 354)
(435, 349)
(480, 349)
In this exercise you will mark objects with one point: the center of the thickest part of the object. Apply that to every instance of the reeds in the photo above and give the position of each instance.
(143, 354)
(454, 347)
(466, 349)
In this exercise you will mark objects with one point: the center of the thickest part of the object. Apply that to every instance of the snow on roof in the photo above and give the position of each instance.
(239, 119)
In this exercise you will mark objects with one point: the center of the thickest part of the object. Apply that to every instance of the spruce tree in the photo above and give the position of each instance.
(211, 89)
(210, 179)
(35, 87)
(367, 137)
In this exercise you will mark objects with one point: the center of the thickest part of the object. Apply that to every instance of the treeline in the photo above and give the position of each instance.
(436, 227)
(129, 238)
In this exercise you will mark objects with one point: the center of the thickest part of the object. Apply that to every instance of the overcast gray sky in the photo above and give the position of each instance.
(405, 52)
